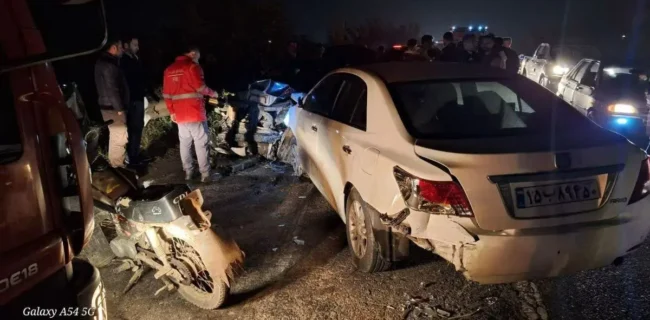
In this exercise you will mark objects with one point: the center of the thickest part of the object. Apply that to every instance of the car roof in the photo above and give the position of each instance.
(408, 71)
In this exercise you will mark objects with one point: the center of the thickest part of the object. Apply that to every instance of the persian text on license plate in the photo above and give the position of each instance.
(557, 193)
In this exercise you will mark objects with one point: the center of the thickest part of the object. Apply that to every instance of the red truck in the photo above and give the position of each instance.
(46, 206)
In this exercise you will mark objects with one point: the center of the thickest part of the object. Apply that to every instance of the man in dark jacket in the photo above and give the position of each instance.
(138, 89)
(449, 50)
(113, 98)
(467, 51)
(512, 59)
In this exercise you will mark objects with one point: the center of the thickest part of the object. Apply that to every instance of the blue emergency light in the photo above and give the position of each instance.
(621, 121)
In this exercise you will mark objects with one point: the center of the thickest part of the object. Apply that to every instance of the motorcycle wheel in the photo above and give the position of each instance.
(205, 300)
(203, 290)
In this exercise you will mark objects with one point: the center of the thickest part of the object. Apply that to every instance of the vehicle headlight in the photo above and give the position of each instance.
(622, 108)
(560, 70)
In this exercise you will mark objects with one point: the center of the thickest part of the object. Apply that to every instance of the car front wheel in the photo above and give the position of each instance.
(365, 250)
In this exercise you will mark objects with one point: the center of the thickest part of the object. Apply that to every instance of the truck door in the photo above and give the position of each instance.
(582, 96)
(539, 62)
(572, 82)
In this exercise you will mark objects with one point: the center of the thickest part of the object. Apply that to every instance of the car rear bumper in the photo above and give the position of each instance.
(548, 252)
(76, 291)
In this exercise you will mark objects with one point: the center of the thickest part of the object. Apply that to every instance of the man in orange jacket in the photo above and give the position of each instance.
(184, 90)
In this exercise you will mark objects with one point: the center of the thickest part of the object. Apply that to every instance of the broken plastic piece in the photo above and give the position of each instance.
(443, 313)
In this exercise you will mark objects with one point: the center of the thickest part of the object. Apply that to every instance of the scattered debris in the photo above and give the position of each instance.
(390, 307)
(302, 197)
(274, 249)
(281, 225)
(443, 313)
(298, 241)
(491, 300)
(147, 183)
(426, 284)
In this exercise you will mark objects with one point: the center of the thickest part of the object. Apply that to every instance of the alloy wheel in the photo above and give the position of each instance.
(358, 230)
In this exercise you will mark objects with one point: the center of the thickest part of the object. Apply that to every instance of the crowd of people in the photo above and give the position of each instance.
(473, 49)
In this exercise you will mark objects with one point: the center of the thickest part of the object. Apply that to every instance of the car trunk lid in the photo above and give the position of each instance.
(518, 183)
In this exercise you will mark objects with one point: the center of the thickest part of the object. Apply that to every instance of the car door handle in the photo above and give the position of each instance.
(314, 128)
(347, 149)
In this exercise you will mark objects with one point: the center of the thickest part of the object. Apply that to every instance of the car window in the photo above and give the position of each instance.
(576, 68)
(581, 72)
(350, 106)
(443, 109)
(589, 77)
(10, 143)
(322, 98)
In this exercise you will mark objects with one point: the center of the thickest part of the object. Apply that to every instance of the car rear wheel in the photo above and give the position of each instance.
(365, 250)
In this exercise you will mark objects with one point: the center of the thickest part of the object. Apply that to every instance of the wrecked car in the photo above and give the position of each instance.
(488, 170)
(255, 123)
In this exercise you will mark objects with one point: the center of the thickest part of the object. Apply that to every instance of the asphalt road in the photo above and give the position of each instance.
(267, 210)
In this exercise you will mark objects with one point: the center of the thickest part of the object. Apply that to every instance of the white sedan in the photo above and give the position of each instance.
(487, 170)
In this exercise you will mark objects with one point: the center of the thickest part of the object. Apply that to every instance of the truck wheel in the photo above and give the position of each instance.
(366, 252)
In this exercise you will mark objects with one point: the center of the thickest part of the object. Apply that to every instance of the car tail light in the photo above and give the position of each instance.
(641, 186)
(436, 197)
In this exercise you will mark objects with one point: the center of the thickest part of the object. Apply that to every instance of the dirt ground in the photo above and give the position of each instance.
(266, 210)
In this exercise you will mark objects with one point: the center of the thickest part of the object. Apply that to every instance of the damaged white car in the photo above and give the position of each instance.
(490, 171)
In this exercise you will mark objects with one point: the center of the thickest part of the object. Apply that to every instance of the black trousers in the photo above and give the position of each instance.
(134, 125)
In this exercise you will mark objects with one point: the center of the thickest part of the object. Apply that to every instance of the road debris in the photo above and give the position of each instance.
(274, 249)
(302, 197)
(281, 225)
(298, 241)
(443, 313)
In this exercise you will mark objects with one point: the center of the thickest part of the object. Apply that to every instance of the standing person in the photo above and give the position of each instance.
(138, 89)
(113, 98)
(427, 49)
(412, 53)
(449, 48)
(507, 42)
(468, 53)
(512, 59)
(493, 54)
(183, 91)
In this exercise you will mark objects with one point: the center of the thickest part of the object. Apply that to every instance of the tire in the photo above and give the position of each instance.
(365, 250)
(203, 290)
(210, 301)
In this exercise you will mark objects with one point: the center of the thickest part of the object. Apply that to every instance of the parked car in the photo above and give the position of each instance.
(611, 95)
(488, 170)
(549, 63)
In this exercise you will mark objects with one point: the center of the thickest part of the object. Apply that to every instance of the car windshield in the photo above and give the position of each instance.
(464, 109)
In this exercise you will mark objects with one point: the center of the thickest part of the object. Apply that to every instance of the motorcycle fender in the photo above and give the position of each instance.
(220, 254)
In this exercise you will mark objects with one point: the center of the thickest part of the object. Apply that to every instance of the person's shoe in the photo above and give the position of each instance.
(206, 178)
(189, 175)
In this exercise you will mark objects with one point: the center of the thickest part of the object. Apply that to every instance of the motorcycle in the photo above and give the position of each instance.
(164, 227)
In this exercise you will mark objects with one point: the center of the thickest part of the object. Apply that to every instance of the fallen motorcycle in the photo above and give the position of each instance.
(163, 227)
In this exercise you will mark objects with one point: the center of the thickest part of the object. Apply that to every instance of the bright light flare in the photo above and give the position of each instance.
(622, 108)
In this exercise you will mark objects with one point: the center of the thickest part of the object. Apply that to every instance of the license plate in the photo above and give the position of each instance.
(553, 194)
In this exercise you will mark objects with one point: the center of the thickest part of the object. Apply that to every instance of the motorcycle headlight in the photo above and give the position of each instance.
(560, 70)
(622, 108)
